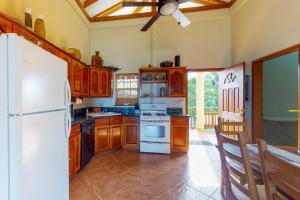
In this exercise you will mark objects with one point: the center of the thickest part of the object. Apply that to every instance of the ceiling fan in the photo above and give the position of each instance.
(165, 8)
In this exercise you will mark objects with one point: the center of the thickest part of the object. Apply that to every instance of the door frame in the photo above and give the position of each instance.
(257, 90)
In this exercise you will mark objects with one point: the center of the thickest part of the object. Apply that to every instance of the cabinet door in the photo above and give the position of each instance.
(77, 152)
(85, 81)
(101, 138)
(116, 136)
(76, 77)
(177, 82)
(131, 133)
(72, 155)
(180, 137)
(94, 82)
(104, 83)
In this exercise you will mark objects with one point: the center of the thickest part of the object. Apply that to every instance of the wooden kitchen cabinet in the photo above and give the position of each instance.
(177, 82)
(116, 135)
(108, 133)
(100, 82)
(5, 25)
(180, 134)
(79, 79)
(48, 47)
(131, 132)
(102, 134)
(74, 150)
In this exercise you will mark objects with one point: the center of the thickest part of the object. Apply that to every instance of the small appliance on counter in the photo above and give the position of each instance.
(154, 129)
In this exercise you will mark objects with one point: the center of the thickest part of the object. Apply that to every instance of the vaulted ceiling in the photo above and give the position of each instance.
(107, 10)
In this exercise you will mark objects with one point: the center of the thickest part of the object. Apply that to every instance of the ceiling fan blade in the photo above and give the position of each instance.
(130, 3)
(150, 22)
(184, 1)
(181, 19)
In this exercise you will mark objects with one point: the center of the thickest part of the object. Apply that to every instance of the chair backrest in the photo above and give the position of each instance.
(278, 174)
(236, 166)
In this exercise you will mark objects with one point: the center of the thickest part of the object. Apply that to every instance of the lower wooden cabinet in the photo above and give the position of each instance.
(131, 132)
(108, 133)
(116, 136)
(102, 138)
(180, 134)
(74, 150)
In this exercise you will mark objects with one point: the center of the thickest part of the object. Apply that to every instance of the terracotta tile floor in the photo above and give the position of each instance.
(132, 175)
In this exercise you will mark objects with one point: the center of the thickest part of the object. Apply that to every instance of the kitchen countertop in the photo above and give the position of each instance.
(83, 119)
(180, 115)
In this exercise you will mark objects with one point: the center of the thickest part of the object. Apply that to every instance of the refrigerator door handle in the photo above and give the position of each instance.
(67, 94)
(68, 124)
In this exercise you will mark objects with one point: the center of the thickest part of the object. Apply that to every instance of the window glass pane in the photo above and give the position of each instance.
(134, 92)
(126, 92)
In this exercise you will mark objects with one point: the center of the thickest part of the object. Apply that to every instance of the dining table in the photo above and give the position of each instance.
(290, 154)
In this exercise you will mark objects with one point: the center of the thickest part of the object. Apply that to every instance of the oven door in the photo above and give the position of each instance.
(155, 132)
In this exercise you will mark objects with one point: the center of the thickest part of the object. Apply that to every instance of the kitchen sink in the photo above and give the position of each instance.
(103, 114)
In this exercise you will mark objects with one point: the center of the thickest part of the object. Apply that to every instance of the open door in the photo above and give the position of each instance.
(232, 93)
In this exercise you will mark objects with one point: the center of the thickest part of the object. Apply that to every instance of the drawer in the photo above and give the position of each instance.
(102, 121)
(131, 120)
(116, 120)
(180, 120)
(75, 130)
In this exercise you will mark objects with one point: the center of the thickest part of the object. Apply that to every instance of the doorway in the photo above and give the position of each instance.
(203, 98)
(276, 98)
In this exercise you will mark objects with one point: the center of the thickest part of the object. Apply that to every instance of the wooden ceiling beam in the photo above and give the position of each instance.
(209, 2)
(109, 11)
(83, 9)
(87, 3)
(139, 8)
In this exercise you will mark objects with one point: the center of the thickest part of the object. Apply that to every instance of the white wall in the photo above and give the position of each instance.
(65, 24)
(206, 43)
(261, 27)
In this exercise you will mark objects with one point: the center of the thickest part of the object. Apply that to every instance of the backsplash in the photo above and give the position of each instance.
(171, 102)
(125, 110)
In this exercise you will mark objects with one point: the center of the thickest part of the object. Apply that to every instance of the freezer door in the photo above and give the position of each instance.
(37, 79)
(39, 156)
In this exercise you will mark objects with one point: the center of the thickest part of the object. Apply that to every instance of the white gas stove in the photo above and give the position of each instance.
(154, 129)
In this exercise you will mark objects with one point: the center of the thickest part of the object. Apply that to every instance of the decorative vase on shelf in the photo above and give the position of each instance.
(97, 60)
(39, 26)
(28, 19)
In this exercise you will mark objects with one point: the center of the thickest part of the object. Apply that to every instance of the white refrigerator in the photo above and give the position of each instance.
(34, 122)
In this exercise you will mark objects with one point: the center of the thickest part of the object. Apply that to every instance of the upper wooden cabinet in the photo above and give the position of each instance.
(177, 82)
(79, 79)
(5, 25)
(100, 82)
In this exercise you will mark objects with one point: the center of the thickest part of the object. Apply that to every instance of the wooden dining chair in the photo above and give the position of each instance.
(238, 181)
(281, 178)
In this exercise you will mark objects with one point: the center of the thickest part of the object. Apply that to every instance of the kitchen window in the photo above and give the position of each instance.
(127, 88)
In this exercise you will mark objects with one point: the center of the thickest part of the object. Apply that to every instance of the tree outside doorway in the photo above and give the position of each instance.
(203, 98)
